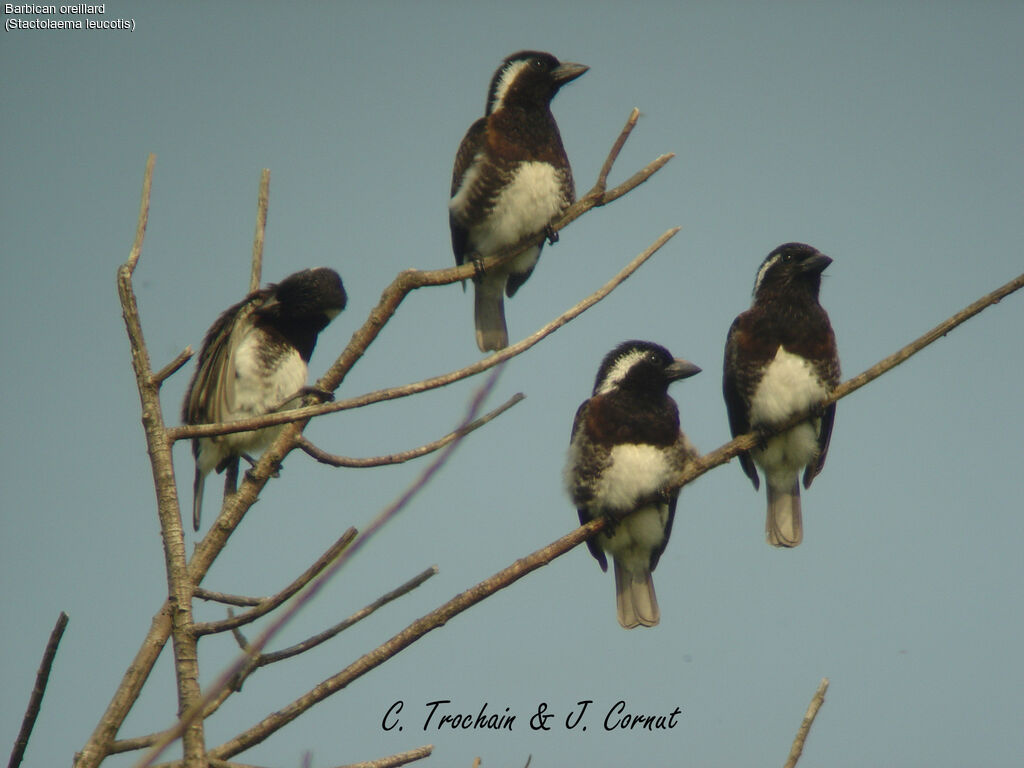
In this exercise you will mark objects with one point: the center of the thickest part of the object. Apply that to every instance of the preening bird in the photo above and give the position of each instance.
(626, 445)
(781, 359)
(253, 361)
(511, 179)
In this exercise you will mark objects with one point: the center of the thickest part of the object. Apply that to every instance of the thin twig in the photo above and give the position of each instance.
(398, 458)
(362, 613)
(172, 367)
(221, 597)
(35, 700)
(143, 220)
(431, 621)
(264, 659)
(613, 155)
(402, 758)
(262, 204)
(210, 627)
(392, 393)
(805, 726)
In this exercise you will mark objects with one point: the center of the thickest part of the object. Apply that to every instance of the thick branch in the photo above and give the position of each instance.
(805, 726)
(179, 587)
(35, 700)
(398, 458)
(253, 651)
(266, 606)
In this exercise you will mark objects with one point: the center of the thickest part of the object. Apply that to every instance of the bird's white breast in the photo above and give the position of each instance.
(790, 384)
(636, 471)
(527, 204)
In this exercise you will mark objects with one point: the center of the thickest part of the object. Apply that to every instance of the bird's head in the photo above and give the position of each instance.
(641, 366)
(530, 78)
(792, 266)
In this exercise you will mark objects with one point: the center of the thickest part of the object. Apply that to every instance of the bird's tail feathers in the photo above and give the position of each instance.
(489, 313)
(635, 600)
(784, 526)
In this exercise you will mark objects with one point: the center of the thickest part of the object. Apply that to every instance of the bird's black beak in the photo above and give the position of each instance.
(816, 264)
(567, 71)
(681, 369)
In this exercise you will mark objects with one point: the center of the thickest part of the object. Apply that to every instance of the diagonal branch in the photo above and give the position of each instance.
(266, 606)
(750, 440)
(264, 659)
(805, 726)
(35, 700)
(392, 393)
(399, 458)
(402, 758)
(362, 613)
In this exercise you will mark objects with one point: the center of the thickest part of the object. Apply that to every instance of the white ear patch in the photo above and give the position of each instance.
(768, 264)
(619, 370)
(508, 76)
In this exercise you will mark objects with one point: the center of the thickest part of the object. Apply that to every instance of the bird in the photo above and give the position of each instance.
(511, 180)
(781, 359)
(625, 447)
(254, 361)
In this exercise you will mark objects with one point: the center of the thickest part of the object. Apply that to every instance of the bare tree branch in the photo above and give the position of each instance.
(253, 651)
(431, 621)
(221, 597)
(265, 607)
(805, 726)
(402, 758)
(262, 204)
(179, 587)
(398, 458)
(173, 367)
(392, 393)
(362, 613)
(264, 659)
(750, 440)
(35, 700)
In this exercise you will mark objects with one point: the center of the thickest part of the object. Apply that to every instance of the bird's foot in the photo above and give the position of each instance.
(551, 235)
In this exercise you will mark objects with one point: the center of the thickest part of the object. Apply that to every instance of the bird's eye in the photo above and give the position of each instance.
(787, 257)
(537, 64)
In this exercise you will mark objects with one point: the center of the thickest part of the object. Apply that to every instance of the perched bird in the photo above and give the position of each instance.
(780, 359)
(511, 179)
(626, 445)
(253, 361)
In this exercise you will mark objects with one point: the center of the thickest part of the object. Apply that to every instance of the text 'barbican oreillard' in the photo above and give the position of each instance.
(52, 10)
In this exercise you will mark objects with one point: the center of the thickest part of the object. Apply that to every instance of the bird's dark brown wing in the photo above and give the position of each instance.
(205, 402)
(579, 423)
(735, 402)
(470, 146)
(824, 437)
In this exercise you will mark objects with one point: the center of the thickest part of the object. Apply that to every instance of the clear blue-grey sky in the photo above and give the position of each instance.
(888, 135)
